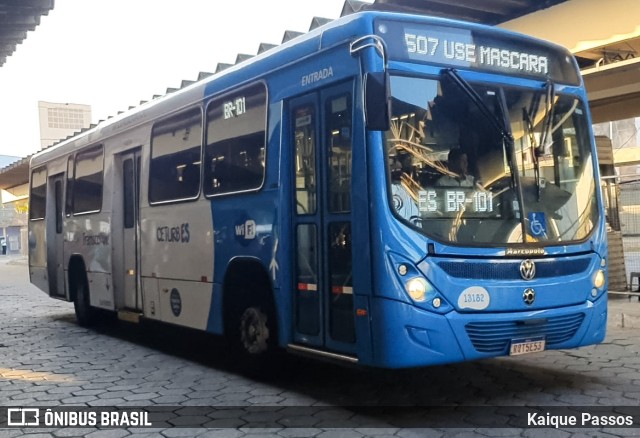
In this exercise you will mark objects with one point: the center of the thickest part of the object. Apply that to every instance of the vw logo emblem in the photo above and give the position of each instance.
(529, 296)
(527, 269)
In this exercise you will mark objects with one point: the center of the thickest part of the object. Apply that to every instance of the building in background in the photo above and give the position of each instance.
(60, 120)
(57, 122)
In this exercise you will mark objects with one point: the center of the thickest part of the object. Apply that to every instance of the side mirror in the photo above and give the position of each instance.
(377, 101)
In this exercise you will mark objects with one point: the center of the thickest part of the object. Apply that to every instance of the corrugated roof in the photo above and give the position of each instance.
(5, 160)
(17, 17)
(15, 174)
(478, 11)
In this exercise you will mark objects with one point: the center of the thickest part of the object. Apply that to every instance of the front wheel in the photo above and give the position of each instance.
(253, 337)
(254, 331)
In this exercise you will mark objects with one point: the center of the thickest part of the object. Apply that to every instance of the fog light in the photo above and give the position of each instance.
(603, 262)
(598, 280)
(417, 289)
(594, 292)
(402, 270)
(436, 302)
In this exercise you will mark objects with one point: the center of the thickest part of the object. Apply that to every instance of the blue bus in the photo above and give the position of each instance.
(389, 190)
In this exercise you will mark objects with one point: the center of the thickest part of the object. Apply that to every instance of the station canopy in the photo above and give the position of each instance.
(17, 17)
(478, 11)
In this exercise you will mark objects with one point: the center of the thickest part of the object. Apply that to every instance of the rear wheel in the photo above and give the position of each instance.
(85, 314)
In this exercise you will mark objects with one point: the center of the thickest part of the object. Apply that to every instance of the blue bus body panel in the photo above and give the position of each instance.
(271, 207)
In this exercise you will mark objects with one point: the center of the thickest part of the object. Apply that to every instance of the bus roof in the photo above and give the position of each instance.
(333, 33)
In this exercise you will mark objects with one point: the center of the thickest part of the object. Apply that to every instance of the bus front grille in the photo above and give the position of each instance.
(510, 270)
(495, 336)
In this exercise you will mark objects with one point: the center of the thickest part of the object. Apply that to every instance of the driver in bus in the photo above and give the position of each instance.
(459, 166)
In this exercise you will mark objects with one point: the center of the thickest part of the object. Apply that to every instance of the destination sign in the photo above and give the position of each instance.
(477, 49)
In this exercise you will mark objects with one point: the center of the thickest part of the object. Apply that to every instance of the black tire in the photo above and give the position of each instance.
(85, 314)
(252, 332)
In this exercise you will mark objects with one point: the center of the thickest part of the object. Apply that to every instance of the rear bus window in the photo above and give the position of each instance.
(38, 196)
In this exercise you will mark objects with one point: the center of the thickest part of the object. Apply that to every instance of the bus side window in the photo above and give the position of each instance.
(236, 138)
(175, 157)
(87, 191)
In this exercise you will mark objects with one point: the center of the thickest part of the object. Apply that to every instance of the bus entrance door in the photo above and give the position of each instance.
(55, 249)
(321, 125)
(129, 294)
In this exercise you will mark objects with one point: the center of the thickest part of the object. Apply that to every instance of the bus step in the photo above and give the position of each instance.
(312, 352)
(129, 316)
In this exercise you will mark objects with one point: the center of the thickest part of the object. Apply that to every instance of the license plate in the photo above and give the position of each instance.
(525, 346)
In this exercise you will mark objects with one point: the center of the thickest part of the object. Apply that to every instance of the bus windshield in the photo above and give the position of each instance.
(490, 165)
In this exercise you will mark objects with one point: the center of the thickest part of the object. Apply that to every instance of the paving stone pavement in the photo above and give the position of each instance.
(47, 360)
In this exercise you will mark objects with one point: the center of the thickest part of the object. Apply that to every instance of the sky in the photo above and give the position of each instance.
(111, 54)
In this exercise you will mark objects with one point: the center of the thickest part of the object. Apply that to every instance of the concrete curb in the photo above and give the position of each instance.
(623, 320)
(624, 311)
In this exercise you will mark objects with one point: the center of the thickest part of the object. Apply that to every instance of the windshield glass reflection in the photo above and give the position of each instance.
(454, 176)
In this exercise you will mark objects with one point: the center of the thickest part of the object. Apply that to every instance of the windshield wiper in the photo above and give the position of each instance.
(503, 126)
(528, 123)
(547, 123)
(540, 149)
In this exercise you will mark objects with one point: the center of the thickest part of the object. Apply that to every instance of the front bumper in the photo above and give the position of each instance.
(407, 336)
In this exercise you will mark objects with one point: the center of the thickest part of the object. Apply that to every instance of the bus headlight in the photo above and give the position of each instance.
(417, 289)
(599, 279)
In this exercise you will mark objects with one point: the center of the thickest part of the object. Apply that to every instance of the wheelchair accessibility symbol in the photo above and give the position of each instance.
(537, 224)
